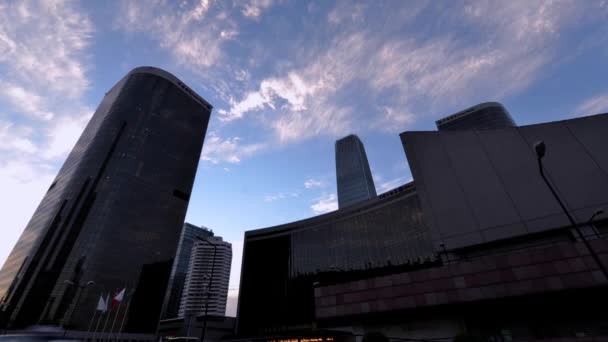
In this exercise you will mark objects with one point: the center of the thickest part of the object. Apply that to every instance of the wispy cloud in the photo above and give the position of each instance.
(429, 72)
(14, 138)
(595, 105)
(43, 59)
(312, 183)
(194, 32)
(230, 150)
(253, 8)
(324, 204)
(43, 43)
(391, 184)
(280, 196)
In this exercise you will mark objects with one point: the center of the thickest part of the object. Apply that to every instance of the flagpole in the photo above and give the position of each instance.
(105, 308)
(114, 321)
(91, 323)
(124, 316)
(118, 297)
(107, 317)
(97, 325)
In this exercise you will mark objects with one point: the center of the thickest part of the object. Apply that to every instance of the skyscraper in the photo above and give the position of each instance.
(113, 215)
(190, 234)
(487, 115)
(207, 279)
(355, 182)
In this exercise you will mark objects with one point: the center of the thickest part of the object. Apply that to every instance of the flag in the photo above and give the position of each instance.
(102, 305)
(118, 298)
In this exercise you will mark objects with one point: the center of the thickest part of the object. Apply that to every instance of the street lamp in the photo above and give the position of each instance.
(590, 221)
(540, 149)
(210, 283)
(79, 290)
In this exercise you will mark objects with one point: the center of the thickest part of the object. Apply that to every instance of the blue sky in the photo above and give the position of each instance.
(286, 78)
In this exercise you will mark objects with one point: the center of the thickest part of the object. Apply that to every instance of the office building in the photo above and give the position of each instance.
(206, 287)
(355, 182)
(190, 234)
(477, 244)
(113, 215)
(282, 263)
(487, 115)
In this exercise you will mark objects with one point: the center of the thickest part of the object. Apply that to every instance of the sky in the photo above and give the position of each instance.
(286, 79)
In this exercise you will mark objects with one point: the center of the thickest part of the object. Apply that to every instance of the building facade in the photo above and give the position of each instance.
(190, 234)
(487, 115)
(355, 182)
(478, 247)
(112, 216)
(206, 286)
(281, 264)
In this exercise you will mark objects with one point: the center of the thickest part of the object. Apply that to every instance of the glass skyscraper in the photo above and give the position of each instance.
(114, 213)
(190, 234)
(355, 182)
(487, 115)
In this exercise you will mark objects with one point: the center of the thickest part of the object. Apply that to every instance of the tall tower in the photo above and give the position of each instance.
(207, 280)
(355, 182)
(487, 115)
(113, 215)
(190, 234)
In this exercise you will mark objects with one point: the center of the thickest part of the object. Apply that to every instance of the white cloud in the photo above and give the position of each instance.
(280, 196)
(217, 149)
(595, 105)
(390, 184)
(254, 8)
(24, 101)
(23, 183)
(325, 204)
(64, 132)
(15, 139)
(407, 76)
(42, 43)
(312, 183)
(193, 33)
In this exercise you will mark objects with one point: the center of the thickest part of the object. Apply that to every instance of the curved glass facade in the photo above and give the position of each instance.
(121, 195)
(489, 115)
(281, 264)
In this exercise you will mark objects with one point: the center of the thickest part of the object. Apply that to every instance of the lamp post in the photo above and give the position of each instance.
(79, 290)
(590, 221)
(540, 149)
(210, 284)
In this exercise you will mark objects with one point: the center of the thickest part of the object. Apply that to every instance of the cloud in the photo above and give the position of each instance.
(253, 8)
(64, 132)
(312, 183)
(595, 105)
(391, 184)
(24, 101)
(42, 43)
(23, 182)
(325, 204)
(366, 77)
(280, 196)
(229, 150)
(194, 32)
(15, 139)
(43, 59)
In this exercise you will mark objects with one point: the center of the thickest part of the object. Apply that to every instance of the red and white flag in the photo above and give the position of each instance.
(118, 297)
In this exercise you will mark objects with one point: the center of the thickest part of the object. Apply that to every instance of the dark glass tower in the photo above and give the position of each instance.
(488, 115)
(190, 234)
(114, 213)
(355, 182)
